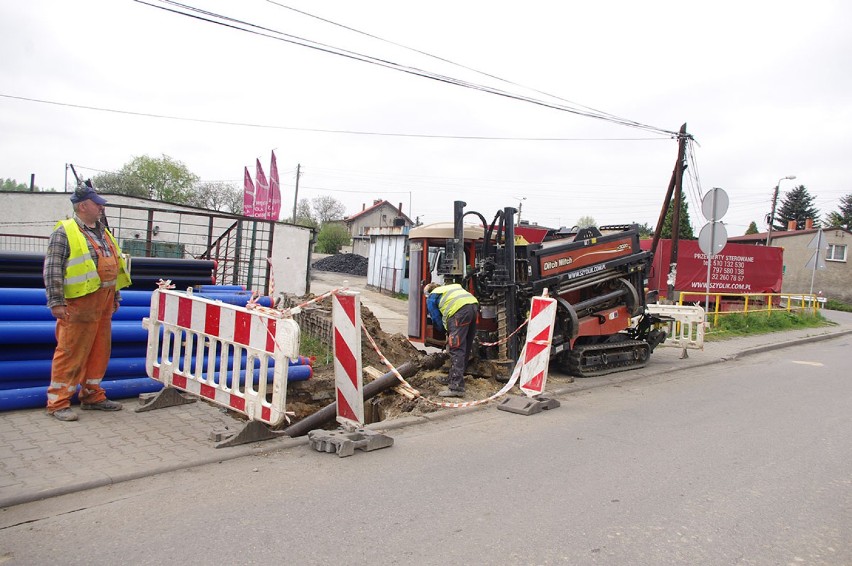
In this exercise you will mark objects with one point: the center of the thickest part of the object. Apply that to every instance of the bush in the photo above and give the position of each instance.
(331, 238)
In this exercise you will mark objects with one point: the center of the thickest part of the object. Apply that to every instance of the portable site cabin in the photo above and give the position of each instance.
(426, 248)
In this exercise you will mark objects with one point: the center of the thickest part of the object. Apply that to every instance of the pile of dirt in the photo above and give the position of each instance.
(353, 264)
(307, 397)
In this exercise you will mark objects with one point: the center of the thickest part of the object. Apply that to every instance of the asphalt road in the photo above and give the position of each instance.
(747, 462)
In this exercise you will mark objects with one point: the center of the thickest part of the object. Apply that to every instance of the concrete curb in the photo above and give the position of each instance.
(788, 343)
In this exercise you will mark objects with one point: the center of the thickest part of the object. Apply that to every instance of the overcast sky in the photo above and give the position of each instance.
(764, 87)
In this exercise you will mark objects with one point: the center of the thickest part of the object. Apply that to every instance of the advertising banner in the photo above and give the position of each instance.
(738, 268)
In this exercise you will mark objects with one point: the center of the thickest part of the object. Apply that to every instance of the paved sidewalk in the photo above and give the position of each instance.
(41, 457)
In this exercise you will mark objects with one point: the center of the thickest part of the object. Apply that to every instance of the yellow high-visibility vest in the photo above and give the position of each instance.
(81, 273)
(453, 297)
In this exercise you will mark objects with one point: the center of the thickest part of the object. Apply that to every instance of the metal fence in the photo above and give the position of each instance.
(17, 242)
(750, 303)
(238, 245)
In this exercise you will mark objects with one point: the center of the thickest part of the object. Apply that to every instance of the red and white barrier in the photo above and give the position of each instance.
(201, 337)
(536, 354)
(348, 378)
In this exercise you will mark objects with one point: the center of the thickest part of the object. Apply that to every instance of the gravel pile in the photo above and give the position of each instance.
(353, 264)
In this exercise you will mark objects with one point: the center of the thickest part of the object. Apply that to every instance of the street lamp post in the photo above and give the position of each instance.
(774, 202)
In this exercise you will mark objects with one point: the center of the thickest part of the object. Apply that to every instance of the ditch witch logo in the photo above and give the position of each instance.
(561, 264)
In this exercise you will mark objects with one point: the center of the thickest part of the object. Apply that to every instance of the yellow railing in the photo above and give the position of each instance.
(753, 302)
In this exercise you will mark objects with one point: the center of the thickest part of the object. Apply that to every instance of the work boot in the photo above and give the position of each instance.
(451, 393)
(66, 414)
(443, 380)
(105, 405)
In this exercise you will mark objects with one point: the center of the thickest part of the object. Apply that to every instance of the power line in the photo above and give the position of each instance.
(436, 57)
(236, 24)
(315, 130)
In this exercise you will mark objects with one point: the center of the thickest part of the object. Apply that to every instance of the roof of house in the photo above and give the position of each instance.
(377, 204)
(761, 236)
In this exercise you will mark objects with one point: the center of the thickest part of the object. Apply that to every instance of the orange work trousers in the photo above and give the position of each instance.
(83, 346)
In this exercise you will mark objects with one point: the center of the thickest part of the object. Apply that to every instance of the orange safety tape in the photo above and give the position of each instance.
(506, 339)
(271, 280)
(408, 387)
(287, 313)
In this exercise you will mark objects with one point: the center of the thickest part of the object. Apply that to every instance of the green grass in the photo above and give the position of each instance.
(838, 306)
(310, 346)
(734, 325)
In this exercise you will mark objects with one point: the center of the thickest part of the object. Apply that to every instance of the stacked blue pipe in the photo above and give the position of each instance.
(28, 341)
(24, 269)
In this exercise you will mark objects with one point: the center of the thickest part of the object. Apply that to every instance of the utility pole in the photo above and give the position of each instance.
(677, 178)
(296, 194)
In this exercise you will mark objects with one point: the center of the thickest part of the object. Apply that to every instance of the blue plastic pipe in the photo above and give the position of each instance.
(44, 332)
(34, 397)
(218, 288)
(41, 312)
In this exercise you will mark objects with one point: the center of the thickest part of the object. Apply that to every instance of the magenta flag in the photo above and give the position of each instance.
(261, 193)
(248, 195)
(274, 191)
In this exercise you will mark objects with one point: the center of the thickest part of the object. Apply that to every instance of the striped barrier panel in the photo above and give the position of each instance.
(348, 378)
(348, 382)
(536, 354)
(196, 329)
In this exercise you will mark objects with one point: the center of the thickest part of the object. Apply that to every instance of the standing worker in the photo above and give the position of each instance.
(453, 308)
(83, 272)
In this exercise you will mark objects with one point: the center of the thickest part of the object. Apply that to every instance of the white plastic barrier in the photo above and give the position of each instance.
(202, 347)
(536, 354)
(348, 377)
(686, 325)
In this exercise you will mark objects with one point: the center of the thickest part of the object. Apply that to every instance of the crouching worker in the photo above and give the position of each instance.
(83, 272)
(454, 309)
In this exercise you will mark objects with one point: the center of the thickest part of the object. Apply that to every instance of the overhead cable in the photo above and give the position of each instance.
(241, 25)
(315, 130)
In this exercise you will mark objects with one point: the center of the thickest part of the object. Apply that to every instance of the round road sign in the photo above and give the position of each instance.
(712, 238)
(714, 205)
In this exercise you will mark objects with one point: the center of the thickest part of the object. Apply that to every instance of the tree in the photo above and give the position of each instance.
(585, 222)
(120, 184)
(331, 238)
(843, 217)
(163, 179)
(221, 197)
(645, 230)
(685, 230)
(11, 185)
(797, 205)
(752, 228)
(304, 216)
(327, 209)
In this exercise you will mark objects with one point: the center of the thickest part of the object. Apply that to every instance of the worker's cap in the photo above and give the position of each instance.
(429, 288)
(85, 192)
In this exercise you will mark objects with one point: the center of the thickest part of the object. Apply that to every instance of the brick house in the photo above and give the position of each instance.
(381, 215)
(833, 281)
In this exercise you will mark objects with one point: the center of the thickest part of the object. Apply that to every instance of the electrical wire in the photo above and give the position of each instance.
(436, 57)
(241, 25)
(315, 130)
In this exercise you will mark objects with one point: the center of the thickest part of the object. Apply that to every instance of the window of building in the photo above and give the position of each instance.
(836, 252)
